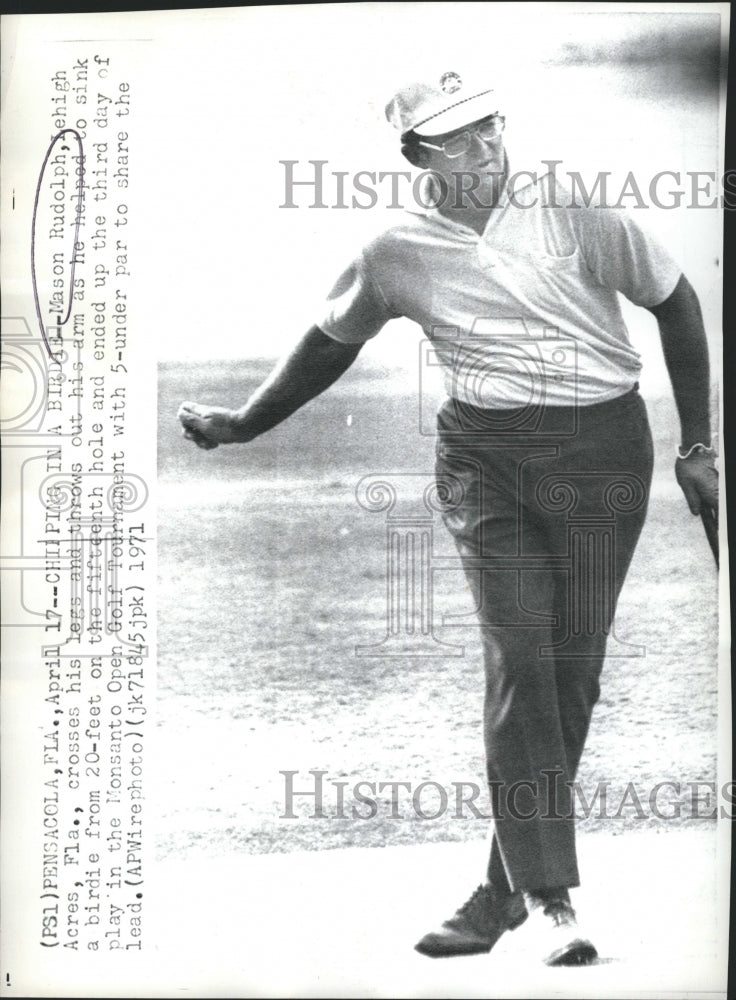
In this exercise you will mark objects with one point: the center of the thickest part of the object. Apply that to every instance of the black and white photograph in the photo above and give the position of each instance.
(365, 597)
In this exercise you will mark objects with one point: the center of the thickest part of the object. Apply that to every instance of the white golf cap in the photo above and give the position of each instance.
(433, 108)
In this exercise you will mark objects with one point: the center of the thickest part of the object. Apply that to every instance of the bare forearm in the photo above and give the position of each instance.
(686, 355)
(312, 366)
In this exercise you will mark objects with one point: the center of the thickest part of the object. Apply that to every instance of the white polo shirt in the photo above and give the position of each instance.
(525, 313)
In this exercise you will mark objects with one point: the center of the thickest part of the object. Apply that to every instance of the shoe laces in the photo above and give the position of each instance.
(477, 902)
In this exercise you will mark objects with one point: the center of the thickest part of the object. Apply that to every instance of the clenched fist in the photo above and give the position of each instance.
(207, 426)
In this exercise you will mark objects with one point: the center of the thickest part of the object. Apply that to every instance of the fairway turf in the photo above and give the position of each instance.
(271, 573)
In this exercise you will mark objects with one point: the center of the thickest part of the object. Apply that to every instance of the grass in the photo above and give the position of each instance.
(271, 573)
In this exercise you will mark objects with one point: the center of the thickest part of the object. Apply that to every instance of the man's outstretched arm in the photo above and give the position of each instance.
(686, 356)
(311, 367)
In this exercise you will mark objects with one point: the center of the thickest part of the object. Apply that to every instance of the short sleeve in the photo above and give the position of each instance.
(355, 309)
(624, 257)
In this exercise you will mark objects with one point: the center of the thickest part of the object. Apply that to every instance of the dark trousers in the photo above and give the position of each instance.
(546, 514)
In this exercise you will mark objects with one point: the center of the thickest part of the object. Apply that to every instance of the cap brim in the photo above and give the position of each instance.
(463, 113)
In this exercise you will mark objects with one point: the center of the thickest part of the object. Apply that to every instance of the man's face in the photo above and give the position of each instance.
(471, 160)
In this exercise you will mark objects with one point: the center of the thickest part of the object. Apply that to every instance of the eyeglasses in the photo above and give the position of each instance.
(456, 145)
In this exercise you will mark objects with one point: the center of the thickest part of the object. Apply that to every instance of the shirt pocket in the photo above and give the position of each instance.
(555, 236)
(561, 264)
(560, 276)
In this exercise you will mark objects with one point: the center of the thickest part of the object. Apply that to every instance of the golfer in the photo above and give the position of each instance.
(544, 450)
